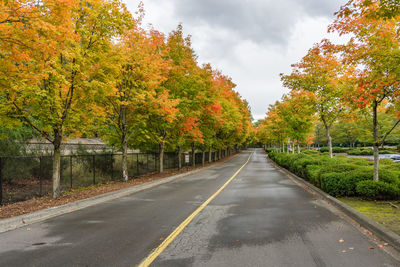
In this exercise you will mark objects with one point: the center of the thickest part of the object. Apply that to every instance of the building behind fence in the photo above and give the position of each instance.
(26, 177)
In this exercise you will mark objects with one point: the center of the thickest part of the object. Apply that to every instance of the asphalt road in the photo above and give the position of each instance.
(260, 219)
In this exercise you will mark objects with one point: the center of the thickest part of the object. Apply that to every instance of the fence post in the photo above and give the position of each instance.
(147, 165)
(94, 169)
(1, 181)
(70, 172)
(112, 167)
(137, 164)
(40, 177)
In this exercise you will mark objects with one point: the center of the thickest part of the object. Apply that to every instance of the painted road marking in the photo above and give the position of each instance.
(146, 262)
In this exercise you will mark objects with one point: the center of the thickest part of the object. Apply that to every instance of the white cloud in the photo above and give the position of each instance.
(252, 41)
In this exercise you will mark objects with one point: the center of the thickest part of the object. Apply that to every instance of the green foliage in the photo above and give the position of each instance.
(334, 149)
(11, 141)
(334, 184)
(341, 176)
(367, 152)
(310, 152)
(377, 190)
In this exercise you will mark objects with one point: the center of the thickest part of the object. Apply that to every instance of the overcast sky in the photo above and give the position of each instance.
(252, 41)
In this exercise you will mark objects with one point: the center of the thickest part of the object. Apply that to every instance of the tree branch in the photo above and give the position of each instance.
(391, 130)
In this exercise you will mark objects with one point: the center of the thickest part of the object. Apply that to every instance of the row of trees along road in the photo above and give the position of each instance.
(76, 67)
(341, 85)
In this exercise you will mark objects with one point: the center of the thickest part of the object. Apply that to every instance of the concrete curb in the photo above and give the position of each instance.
(380, 231)
(41, 215)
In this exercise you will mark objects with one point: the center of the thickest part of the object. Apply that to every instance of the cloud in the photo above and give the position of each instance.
(262, 21)
(251, 41)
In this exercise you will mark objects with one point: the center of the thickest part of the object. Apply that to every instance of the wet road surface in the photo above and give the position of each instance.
(260, 219)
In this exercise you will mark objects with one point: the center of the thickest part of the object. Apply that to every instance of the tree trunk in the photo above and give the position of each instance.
(124, 145)
(209, 155)
(203, 158)
(125, 159)
(283, 145)
(298, 147)
(328, 134)
(288, 146)
(179, 157)
(57, 164)
(162, 147)
(193, 156)
(376, 141)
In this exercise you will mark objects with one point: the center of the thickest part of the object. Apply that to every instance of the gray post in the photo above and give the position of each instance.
(70, 171)
(40, 177)
(94, 169)
(112, 168)
(137, 164)
(147, 164)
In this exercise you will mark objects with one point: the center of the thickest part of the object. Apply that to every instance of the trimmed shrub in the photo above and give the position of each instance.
(390, 177)
(312, 173)
(334, 184)
(386, 151)
(334, 149)
(324, 149)
(386, 162)
(377, 190)
(360, 152)
(340, 176)
(367, 152)
(310, 152)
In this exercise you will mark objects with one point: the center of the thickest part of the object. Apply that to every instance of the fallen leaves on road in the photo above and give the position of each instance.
(371, 248)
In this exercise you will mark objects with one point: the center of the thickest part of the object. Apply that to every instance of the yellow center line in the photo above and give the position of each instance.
(182, 226)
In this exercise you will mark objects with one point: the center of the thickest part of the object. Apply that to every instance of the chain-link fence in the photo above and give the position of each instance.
(26, 177)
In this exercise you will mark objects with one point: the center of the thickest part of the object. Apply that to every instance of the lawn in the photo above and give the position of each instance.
(380, 211)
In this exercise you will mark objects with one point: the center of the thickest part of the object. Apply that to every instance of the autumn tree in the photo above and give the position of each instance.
(297, 110)
(59, 70)
(274, 129)
(140, 69)
(374, 52)
(321, 73)
(187, 84)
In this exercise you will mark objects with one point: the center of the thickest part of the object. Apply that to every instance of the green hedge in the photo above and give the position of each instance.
(367, 152)
(334, 149)
(342, 176)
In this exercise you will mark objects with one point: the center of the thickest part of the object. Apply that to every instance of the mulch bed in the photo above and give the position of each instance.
(35, 204)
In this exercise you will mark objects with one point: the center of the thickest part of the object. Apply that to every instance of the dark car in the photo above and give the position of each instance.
(395, 158)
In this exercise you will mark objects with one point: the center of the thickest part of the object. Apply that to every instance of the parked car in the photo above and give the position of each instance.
(395, 158)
